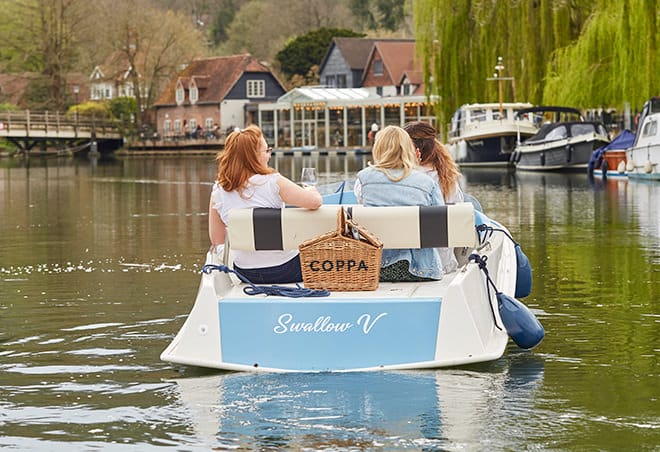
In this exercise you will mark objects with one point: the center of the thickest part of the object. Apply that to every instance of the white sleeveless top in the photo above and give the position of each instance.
(262, 191)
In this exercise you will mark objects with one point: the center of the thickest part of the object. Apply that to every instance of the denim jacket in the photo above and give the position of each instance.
(373, 188)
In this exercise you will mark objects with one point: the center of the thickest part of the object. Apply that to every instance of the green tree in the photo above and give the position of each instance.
(304, 51)
(379, 14)
(154, 43)
(222, 20)
(459, 43)
(42, 36)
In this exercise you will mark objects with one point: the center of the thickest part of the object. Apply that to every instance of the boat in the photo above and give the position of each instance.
(486, 134)
(564, 142)
(643, 157)
(466, 317)
(610, 160)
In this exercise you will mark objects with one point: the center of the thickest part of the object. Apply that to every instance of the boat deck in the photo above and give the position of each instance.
(386, 290)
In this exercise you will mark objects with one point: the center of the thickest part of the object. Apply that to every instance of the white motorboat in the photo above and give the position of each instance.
(461, 319)
(486, 134)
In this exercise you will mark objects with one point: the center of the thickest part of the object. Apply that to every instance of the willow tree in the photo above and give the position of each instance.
(459, 42)
(615, 60)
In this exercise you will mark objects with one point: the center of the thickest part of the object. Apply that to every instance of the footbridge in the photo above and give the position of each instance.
(56, 132)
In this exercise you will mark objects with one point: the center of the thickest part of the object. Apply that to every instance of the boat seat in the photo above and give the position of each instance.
(397, 227)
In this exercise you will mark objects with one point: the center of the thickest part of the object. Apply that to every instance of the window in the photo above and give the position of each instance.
(330, 81)
(179, 94)
(378, 67)
(208, 123)
(194, 94)
(341, 81)
(406, 89)
(167, 126)
(379, 90)
(256, 88)
(193, 124)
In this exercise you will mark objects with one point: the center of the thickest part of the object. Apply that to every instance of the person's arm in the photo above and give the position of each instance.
(217, 229)
(295, 195)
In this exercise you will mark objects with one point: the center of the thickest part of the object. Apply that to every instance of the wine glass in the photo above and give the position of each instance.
(308, 177)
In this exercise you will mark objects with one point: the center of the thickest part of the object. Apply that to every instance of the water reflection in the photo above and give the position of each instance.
(100, 262)
(432, 410)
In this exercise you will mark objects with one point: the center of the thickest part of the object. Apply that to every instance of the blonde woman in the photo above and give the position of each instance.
(393, 179)
(245, 180)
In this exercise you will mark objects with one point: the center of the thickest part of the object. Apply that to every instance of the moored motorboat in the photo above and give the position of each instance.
(564, 142)
(610, 160)
(486, 134)
(643, 157)
(464, 318)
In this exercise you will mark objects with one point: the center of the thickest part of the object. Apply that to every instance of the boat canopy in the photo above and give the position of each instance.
(542, 111)
(562, 130)
(622, 142)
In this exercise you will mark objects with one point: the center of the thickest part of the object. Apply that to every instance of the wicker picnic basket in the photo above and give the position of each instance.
(347, 259)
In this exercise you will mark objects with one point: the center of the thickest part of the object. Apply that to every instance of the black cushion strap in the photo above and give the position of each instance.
(433, 229)
(267, 228)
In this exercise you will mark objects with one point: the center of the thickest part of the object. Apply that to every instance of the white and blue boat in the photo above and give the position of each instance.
(466, 317)
(643, 157)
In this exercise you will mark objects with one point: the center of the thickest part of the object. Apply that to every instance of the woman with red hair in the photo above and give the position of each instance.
(245, 180)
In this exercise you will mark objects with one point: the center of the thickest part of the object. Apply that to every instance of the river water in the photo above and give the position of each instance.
(100, 262)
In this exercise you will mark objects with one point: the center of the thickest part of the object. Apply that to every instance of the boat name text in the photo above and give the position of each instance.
(324, 324)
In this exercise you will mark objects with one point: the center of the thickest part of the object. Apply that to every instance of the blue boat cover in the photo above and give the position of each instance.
(623, 141)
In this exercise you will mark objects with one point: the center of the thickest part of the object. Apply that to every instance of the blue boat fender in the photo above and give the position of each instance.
(520, 323)
(523, 273)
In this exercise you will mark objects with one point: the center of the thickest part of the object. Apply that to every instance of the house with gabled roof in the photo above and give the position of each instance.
(346, 59)
(386, 65)
(217, 92)
(112, 78)
(411, 83)
(344, 62)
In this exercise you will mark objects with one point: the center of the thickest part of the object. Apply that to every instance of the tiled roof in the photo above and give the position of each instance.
(397, 57)
(214, 76)
(355, 50)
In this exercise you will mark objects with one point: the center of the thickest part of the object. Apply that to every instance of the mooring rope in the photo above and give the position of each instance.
(481, 262)
(252, 289)
(490, 229)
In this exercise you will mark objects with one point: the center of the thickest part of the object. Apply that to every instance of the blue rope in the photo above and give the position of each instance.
(341, 187)
(489, 230)
(284, 291)
(481, 262)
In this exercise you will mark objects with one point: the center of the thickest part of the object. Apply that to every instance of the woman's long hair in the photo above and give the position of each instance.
(434, 155)
(393, 149)
(240, 159)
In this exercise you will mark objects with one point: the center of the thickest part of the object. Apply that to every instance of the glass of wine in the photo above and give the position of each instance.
(308, 177)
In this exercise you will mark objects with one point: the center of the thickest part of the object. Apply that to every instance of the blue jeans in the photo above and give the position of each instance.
(288, 272)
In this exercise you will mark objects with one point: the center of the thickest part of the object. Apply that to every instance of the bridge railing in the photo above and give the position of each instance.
(54, 122)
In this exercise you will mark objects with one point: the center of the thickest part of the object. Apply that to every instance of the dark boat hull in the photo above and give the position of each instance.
(489, 151)
(560, 157)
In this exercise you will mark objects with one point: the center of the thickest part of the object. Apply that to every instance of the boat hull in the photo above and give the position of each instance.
(403, 325)
(614, 163)
(644, 162)
(565, 155)
(490, 151)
